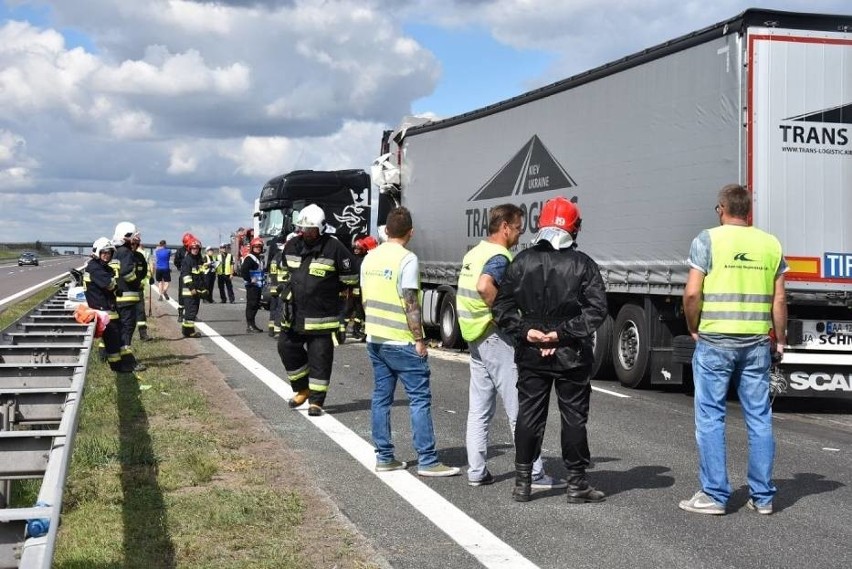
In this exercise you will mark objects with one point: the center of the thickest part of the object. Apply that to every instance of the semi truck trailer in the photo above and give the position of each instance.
(763, 99)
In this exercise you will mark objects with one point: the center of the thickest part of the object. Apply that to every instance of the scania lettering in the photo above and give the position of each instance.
(645, 143)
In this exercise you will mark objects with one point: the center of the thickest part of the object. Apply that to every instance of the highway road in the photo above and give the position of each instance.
(17, 282)
(644, 459)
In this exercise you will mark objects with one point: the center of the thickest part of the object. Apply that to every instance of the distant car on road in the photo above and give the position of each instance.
(28, 259)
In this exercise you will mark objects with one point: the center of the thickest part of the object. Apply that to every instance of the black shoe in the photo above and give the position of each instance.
(271, 333)
(315, 410)
(581, 492)
(232, 301)
(523, 482)
(486, 480)
(140, 367)
(251, 328)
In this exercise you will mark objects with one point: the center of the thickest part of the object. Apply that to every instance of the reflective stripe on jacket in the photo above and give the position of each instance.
(474, 314)
(738, 290)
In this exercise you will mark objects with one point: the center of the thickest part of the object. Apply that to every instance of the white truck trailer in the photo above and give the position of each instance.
(763, 99)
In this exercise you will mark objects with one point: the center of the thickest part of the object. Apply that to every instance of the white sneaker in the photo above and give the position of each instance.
(701, 503)
(438, 470)
(765, 509)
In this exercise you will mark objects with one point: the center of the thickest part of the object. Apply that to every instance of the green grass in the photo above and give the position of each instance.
(160, 479)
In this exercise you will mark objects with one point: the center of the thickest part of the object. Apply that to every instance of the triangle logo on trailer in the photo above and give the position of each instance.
(841, 114)
(532, 170)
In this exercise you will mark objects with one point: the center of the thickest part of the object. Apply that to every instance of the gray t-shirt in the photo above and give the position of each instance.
(701, 259)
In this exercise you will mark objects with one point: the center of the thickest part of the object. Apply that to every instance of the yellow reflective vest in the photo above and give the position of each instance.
(738, 291)
(226, 264)
(384, 310)
(474, 314)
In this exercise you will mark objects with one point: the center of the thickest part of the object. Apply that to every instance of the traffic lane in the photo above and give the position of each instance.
(645, 472)
(16, 279)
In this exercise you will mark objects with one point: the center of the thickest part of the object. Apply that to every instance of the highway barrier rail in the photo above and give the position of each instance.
(43, 361)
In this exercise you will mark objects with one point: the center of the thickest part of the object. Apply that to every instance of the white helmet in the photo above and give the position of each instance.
(102, 244)
(124, 231)
(311, 216)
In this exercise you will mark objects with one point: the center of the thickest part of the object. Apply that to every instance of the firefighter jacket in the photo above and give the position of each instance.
(125, 263)
(178, 259)
(552, 290)
(316, 275)
(278, 274)
(99, 283)
(226, 264)
(192, 273)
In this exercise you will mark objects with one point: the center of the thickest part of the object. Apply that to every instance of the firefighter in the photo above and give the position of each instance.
(354, 304)
(224, 272)
(210, 275)
(251, 268)
(100, 284)
(193, 277)
(277, 275)
(143, 271)
(178, 261)
(125, 265)
(318, 268)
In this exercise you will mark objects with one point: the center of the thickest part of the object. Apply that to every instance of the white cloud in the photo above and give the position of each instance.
(130, 125)
(182, 161)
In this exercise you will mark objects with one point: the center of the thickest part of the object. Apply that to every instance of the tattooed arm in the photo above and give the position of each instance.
(410, 298)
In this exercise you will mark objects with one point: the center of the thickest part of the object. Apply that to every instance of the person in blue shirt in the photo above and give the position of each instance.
(162, 270)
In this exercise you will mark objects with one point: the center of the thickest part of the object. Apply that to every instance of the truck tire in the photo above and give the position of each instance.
(631, 347)
(449, 323)
(602, 366)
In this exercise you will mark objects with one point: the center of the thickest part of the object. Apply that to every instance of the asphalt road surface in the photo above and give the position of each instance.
(644, 459)
(642, 448)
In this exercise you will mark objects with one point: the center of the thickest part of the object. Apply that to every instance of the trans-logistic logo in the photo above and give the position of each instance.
(826, 137)
(532, 170)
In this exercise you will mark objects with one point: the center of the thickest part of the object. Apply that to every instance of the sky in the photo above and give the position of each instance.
(172, 114)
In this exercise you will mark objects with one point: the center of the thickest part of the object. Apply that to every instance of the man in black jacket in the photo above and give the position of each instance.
(551, 302)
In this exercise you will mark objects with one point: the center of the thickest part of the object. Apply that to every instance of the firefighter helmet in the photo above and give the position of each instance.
(187, 239)
(100, 245)
(194, 243)
(560, 213)
(311, 216)
(124, 231)
(367, 243)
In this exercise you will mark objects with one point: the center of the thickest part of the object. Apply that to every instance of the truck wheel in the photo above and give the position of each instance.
(631, 347)
(449, 323)
(602, 366)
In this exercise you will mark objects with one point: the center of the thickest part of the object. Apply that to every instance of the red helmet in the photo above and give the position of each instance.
(193, 242)
(187, 239)
(367, 243)
(562, 213)
(256, 241)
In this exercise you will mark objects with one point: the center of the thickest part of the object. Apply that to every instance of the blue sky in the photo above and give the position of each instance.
(173, 113)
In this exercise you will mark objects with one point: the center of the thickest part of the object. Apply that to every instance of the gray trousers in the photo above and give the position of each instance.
(492, 372)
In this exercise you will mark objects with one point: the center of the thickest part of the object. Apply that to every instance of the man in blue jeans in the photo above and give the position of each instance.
(390, 287)
(734, 295)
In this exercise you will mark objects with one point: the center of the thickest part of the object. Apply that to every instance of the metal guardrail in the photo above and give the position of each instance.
(43, 362)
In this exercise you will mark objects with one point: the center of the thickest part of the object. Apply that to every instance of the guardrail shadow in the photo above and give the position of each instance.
(147, 542)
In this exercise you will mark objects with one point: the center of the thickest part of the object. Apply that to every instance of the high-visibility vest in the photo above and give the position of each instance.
(474, 315)
(384, 310)
(226, 264)
(738, 291)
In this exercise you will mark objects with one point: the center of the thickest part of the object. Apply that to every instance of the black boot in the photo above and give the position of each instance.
(579, 491)
(523, 480)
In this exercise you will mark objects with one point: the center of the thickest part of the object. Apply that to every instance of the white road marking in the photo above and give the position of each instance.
(487, 548)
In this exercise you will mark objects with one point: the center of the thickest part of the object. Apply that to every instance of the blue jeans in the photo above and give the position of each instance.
(392, 363)
(714, 368)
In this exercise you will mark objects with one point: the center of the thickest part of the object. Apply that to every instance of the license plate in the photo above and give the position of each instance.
(829, 335)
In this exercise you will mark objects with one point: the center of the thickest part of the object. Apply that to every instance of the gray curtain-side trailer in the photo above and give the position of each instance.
(645, 143)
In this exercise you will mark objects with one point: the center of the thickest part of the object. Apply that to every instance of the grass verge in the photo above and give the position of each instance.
(171, 470)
